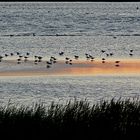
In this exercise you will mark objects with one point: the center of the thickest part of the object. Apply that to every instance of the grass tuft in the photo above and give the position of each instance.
(107, 119)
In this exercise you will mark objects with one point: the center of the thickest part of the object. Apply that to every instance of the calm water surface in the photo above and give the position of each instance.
(56, 88)
(75, 28)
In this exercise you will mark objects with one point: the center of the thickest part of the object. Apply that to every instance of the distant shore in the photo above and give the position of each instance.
(78, 67)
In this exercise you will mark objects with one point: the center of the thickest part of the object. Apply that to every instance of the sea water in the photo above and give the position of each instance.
(76, 28)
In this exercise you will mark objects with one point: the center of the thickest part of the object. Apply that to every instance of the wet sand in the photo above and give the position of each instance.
(78, 67)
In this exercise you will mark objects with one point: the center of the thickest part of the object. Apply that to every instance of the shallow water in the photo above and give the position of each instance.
(61, 88)
(47, 28)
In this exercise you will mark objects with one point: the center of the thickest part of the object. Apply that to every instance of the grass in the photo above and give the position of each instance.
(107, 119)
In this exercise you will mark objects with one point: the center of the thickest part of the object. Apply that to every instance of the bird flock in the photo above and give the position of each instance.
(52, 60)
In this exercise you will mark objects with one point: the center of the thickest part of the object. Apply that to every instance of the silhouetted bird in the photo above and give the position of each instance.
(67, 58)
(40, 58)
(53, 58)
(107, 54)
(11, 54)
(36, 61)
(1, 57)
(6, 55)
(76, 56)
(111, 54)
(102, 51)
(35, 57)
(18, 59)
(27, 53)
(20, 56)
(18, 53)
(61, 53)
(25, 58)
(49, 63)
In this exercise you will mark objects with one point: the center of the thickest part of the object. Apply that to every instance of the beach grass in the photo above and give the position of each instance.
(76, 119)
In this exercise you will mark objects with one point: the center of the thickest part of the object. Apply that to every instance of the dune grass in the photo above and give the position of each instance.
(107, 119)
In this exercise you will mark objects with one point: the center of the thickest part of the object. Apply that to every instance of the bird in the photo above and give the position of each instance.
(53, 58)
(18, 53)
(111, 54)
(18, 59)
(1, 57)
(36, 61)
(11, 54)
(27, 53)
(25, 58)
(49, 63)
(40, 58)
(92, 57)
(130, 54)
(107, 54)
(20, 56)
(67, 58)
(87, 57)
(102, 51)
(76, 56)
(6, 55)
(35, 56)
(61, 53)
